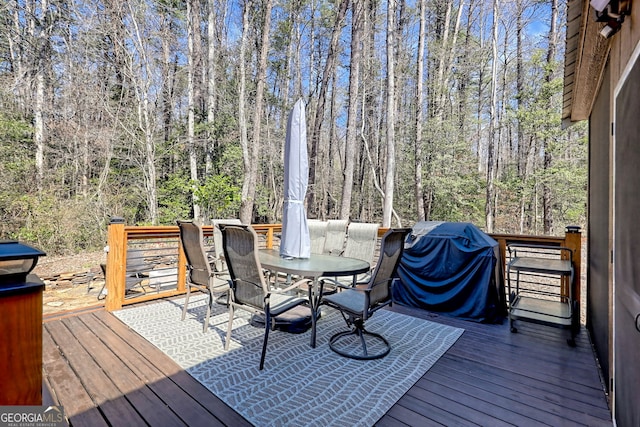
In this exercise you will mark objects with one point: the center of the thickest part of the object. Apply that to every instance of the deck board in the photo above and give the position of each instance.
(452, 365)
(141, 398)
(66, 388)
(411, 418)
(530, 377)
(140, 353)
(176, 409)
(104, 373)
(98, 385)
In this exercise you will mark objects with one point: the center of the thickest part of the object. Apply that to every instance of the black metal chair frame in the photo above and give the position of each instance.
(358, 304)
(249, 288)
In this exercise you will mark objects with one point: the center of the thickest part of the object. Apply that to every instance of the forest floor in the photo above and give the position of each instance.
(71, 282)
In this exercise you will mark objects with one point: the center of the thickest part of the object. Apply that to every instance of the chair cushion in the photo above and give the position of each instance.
(280, 303)
(295, 321)
(349, 300)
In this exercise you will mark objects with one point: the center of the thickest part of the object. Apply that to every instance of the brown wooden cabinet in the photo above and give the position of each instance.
(21, 343)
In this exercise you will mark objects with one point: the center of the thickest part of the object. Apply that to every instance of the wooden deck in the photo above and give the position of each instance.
(103, 373)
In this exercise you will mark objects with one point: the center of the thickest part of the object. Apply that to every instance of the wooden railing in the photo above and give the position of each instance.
(121, 237)
(572, 239)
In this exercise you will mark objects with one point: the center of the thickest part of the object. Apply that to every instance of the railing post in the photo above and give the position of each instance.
(573, 240)
(116, 264)
(269, 242)
(182, 268)
(502, 250)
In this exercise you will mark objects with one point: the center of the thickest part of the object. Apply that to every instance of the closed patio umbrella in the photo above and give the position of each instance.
(295, 241)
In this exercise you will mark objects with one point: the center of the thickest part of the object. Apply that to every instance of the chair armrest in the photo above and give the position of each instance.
(294, 285)
(234, 283)
(341, 284)
(336, 283)
(226, 284)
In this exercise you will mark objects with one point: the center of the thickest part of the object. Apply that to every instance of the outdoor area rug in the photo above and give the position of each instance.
(300, 385)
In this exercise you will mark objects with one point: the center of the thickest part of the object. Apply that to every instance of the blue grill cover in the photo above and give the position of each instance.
(451, 268)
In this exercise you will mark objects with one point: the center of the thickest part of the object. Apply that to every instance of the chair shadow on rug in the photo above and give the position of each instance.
(250, 290)
(360, 303)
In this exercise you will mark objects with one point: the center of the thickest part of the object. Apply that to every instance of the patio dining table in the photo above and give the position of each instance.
(314, 267)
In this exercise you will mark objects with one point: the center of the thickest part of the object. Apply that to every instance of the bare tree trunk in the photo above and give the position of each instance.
(331, 206)
(419, 193)
(211, 83)
(141, 73)
(547, 198)
(17, 44)
(439, 84)
(329, 70)
(84, 173)
(38, 126)
(493, 126)
(520, 151)
(150, 151)
(463, 81)
(290, 88)
(391, 120)
(481, 78)
(246, 207)
(242, 115)
(297, 71)
(519, 83)
(40, 65)
(352, 127)
(168, 73)
(371, 100)
(193, 28)
(312, 74)
(450, 53)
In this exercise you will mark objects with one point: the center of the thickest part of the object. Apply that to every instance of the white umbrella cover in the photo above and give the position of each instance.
(295, 241)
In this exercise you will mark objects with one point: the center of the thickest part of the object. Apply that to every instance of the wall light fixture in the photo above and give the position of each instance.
(612, 13)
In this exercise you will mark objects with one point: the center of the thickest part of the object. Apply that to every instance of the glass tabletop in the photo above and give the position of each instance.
(315, 266)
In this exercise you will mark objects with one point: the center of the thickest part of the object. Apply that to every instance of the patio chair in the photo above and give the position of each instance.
(317, 235)
(249, 289)
(336, 233)
(217, 254)
(136, 272)
(361, 244)
(358, 304)
(200, 275)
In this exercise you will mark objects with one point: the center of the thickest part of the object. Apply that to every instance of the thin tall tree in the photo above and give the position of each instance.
(387, 210)
(417, 151)
(492, 139)
(246, 207)
(251, 178)
(547, 199)
(193, 57)
(357, 10)
(329, 70)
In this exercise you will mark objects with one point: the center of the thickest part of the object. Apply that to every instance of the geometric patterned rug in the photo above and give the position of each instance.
(300, 385)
